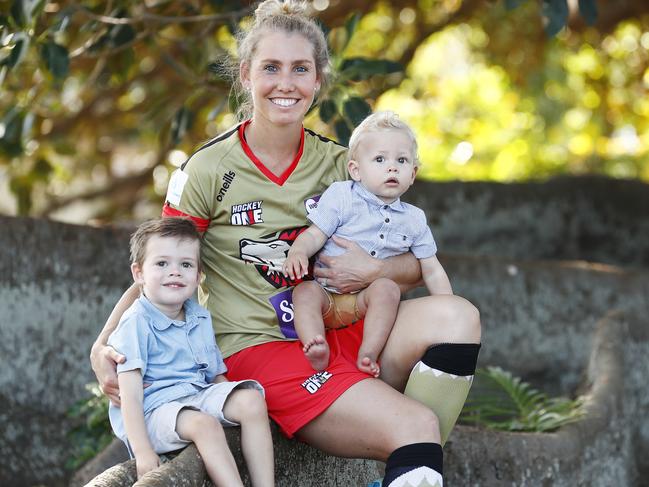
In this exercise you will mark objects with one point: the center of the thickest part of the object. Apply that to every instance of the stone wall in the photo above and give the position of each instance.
(58, 283)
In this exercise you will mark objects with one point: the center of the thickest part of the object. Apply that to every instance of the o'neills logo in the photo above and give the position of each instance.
(246, 213)
(227, 181)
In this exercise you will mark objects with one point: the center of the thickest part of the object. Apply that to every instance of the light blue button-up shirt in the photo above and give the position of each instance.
(177, 358)
(347, 209)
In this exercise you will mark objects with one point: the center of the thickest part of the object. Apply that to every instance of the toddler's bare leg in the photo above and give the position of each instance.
(207, 433)
(378, 303)
(310, 302)
(248, 408)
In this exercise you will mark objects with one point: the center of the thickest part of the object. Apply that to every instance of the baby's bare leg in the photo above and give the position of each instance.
(310, 302)
(207, 433)
(378, 303)
(248, 408)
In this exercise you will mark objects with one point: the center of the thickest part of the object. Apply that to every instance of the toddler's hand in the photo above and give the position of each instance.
(296, 265)
(146, 462)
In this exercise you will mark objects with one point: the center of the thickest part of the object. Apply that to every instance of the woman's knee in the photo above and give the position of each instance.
(467, 317)
(420, 426)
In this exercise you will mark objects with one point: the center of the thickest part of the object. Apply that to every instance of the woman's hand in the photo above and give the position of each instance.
(352, 271)
(104, 360)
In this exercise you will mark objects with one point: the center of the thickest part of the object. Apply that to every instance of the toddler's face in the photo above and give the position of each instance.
(385, 163)
(169, 274)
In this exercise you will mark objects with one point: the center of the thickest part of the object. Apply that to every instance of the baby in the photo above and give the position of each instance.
(367, 210)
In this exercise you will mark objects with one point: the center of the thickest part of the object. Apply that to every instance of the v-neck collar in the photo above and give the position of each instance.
(281, 179)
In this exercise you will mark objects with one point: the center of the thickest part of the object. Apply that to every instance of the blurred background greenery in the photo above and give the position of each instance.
(101, 100)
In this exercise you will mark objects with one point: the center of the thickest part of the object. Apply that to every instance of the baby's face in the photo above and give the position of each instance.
(385, 163)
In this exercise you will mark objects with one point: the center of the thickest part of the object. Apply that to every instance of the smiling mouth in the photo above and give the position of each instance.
(174, 285)
(284, 102)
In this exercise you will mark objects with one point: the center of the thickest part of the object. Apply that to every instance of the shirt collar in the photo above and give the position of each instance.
(161, 321)
(371, 198)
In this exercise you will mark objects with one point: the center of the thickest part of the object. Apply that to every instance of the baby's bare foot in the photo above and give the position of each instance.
(369, 366)
(317, 352)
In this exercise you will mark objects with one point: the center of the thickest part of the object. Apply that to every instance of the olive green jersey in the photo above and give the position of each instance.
(249, 218)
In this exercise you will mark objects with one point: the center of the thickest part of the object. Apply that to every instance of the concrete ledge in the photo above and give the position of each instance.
(296, 465)
(577, 454)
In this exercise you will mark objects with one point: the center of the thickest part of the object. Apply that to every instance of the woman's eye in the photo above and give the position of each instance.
(270, 67)
(301, 69)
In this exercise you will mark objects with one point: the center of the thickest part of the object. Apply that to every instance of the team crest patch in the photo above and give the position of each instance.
(311, 203)
(269, 253)
(246, 213)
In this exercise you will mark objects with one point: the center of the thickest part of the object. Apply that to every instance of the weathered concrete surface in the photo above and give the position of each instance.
(578, 454)
(296, 465)
(58, 283)
(589, 218)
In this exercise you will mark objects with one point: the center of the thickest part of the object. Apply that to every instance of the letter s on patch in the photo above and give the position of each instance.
(176, 185)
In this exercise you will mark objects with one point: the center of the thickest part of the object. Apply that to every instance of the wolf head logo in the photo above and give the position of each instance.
(269, 253)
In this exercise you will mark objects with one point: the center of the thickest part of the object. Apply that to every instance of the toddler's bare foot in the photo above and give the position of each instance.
(317, 352)
(369, 366)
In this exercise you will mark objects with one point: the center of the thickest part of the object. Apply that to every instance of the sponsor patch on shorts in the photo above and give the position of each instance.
(316, 381)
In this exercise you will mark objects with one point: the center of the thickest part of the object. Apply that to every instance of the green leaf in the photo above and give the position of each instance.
(25, 11)
(342, 130)
(121, 34)
(356, 110)
(180, 124)
(501, 401)
(11, 132)
(14, 52)
(359, 68)
(327, 110)
(556, 14)
(512, 4)
(588, 10)
(351, 24)
(56, 59)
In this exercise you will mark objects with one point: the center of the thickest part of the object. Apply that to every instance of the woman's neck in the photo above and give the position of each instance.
(275, 146)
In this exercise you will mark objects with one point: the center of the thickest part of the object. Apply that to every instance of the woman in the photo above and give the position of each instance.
(249, 191)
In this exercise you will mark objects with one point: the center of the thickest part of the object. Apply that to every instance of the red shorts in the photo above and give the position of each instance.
(295, 393)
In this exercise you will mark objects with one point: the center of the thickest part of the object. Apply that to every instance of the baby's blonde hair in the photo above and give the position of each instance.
(291, 17)
(377, 122)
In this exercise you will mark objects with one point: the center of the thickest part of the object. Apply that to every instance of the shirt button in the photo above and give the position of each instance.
(387, 220)
(385, 207)
(381, 236)
(404, 237)
(372, 253)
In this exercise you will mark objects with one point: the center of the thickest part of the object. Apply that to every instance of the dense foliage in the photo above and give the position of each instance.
(100, 100)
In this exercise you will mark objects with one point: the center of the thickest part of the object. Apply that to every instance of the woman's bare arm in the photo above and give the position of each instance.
(356, 269)
(104, 359)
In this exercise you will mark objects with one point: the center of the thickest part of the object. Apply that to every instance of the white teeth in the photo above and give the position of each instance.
(284, 102)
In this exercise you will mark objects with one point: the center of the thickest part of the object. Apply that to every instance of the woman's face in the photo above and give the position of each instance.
(282, 78)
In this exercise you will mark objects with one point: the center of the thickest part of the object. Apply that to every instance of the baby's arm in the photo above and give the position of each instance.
(305, 245)
(219, 378)
(131, 392)
(435, 276)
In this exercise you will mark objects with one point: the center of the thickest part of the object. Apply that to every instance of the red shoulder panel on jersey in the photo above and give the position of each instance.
(201, 223)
